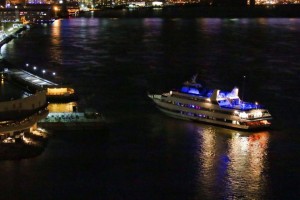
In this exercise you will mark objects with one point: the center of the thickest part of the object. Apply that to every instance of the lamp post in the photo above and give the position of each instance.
(16, 14)
(56, 9)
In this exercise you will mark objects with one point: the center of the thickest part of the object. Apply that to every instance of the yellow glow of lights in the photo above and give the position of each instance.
(59, 91)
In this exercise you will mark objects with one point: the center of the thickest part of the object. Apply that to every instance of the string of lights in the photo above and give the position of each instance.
(36, 69)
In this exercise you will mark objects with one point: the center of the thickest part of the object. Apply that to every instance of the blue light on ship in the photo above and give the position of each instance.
(190, 90)
(193, 91)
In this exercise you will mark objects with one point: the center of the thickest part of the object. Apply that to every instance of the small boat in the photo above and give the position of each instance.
(195, 102)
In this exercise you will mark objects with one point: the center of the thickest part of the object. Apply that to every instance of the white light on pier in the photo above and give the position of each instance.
(27, 64)
(34, 68)
(44, 71)
(53, 73)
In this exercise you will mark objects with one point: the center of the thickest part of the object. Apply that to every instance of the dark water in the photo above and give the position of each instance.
(113, 63)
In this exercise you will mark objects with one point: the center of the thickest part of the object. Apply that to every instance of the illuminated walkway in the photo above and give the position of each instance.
(31, 79)
(54, 91)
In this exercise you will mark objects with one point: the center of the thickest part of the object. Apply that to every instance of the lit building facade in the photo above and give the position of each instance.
(39, 1)
(21, 115)
(270, 2)
(34, 13)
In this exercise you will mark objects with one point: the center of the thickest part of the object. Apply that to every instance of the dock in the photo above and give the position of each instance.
(32, 80)
(54, 92)
(72, 121)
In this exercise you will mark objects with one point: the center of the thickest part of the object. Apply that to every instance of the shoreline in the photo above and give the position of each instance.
(32, 147)
(194, 11)
(14, 34)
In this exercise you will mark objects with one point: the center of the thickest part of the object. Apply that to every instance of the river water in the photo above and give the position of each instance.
(112, 64)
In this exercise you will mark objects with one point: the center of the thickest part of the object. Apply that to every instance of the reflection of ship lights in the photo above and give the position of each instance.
(207, 155)
(237, 159)
(248, 156)
(261, 138)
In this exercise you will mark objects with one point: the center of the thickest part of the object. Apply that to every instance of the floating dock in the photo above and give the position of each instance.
(72, 121)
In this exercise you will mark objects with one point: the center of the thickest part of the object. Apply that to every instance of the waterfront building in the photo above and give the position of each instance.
(113, 3)
(29, 13)
(137, 4)
(274, 2)
(20, 111)
(25, 2)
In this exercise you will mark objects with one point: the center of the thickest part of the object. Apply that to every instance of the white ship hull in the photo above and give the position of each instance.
(213, 115)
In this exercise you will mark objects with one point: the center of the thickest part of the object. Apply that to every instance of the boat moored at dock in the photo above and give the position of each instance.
(198, 103)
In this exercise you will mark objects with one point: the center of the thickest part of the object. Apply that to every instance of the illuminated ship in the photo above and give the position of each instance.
(197, 103)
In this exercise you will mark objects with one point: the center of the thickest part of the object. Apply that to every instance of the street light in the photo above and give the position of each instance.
(56, 9)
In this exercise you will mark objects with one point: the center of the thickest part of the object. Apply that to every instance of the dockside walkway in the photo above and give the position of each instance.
(30, 79)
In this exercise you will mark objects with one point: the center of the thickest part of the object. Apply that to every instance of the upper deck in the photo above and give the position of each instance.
(225, 99)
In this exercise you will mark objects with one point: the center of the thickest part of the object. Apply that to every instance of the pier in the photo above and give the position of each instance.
(54, 91)
(73, 121)
(31, 80)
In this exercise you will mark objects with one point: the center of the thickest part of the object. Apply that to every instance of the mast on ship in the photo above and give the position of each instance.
(244, 78)
(193, 82)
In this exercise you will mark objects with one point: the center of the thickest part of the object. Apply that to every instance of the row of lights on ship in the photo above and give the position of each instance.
(43, 71)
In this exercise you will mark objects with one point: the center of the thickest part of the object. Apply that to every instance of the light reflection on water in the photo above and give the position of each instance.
(247, 162)
(233, 164)
(114, 62)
